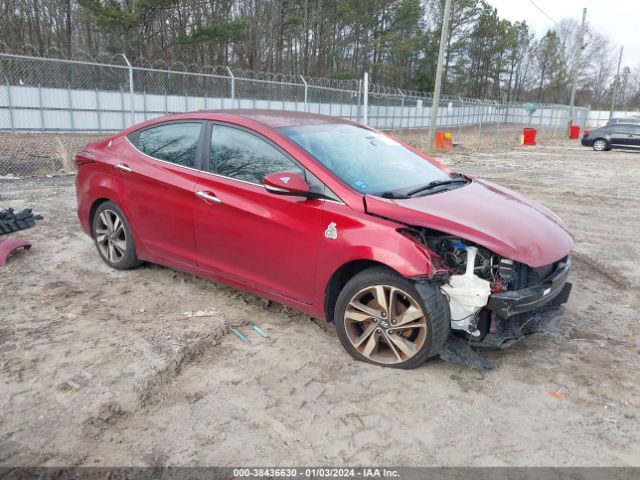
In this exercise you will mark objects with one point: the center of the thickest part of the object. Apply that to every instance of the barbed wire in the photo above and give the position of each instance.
(376, 91)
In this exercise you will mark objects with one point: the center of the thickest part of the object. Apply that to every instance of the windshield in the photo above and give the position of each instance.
(367, 161)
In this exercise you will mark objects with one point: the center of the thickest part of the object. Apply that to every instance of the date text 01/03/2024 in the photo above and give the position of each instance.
(316, 472)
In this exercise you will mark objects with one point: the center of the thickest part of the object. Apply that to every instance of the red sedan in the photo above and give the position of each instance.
(330, 217)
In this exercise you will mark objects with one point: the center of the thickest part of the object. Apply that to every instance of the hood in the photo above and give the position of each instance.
(495, 217)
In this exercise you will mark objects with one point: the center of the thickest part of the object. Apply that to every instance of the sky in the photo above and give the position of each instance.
(619, 20)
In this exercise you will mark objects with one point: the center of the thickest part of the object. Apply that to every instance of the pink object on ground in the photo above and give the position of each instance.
(8, 246)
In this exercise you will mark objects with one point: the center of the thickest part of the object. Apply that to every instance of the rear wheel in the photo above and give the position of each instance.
(113, 237)
(600, 145)
(382, 318)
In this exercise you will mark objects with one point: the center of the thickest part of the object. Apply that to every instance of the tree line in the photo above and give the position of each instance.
(396, 41)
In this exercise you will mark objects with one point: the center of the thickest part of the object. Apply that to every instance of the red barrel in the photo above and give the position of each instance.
(529, 135)
(574, 132)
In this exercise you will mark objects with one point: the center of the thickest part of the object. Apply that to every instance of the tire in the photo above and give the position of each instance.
(116, 246)
(600, 145)
(393, 339)
(12, 222)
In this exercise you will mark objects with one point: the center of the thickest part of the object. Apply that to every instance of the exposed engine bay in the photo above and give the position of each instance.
(452, 259)
(495, 300)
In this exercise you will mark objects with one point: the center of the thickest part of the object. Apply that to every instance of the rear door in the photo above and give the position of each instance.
(243, 231)
(163, 169)
(619, 135)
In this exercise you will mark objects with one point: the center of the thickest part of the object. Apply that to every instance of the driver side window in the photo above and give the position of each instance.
(238, 154)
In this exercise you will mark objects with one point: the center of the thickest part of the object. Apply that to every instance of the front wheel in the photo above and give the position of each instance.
(382, 318)
(600, 145)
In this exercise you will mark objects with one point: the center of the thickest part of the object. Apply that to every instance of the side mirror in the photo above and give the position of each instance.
(286, 183)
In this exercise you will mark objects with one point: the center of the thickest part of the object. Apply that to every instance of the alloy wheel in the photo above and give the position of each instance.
(385, 324)
(599, 145)
(111, 236)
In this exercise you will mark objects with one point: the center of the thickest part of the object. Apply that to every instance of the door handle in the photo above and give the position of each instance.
(208, 196)
(122, 167)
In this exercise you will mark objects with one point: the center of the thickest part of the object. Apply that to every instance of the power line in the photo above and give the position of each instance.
(573, 34)
(543, 12)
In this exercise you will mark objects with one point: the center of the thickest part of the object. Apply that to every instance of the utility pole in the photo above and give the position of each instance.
(438, 83)
(616, 83)
(576, 67)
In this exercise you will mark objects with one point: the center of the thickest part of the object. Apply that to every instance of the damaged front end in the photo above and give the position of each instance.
(493, 301)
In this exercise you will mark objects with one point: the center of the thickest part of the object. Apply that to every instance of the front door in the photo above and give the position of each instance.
(634, 140)
(243, 231)
(620, 135)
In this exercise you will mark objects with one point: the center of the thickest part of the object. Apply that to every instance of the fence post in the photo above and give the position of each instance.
(498, 115)
(359, 100)
(98, 111)
(11, 124)
(365, 113)
(540, 122)
(306, 108)
(133, 115)
(480, 117)
(41, 105)
(586, 118)
(233, 86)
(401, 106)
(70, 101)
(463, 120)
(124, 121)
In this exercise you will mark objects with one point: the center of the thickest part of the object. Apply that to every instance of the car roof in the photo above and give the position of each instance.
(279, 118)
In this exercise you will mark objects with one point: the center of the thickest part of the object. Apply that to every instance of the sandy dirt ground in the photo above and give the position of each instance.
(107, 368)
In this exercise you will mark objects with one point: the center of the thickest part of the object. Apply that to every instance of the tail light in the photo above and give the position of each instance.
(586, 133)
(83, 158)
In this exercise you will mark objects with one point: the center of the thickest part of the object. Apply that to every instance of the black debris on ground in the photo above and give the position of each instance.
(458, 351)
(10, 221)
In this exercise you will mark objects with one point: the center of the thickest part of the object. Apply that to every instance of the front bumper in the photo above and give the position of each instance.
(509, 303)
(510, 316)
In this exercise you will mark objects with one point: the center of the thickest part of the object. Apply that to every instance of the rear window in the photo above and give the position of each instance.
(618, 129)
(173, 142)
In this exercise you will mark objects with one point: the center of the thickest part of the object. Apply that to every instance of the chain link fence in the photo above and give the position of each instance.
(51, 107)
(598, 118)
